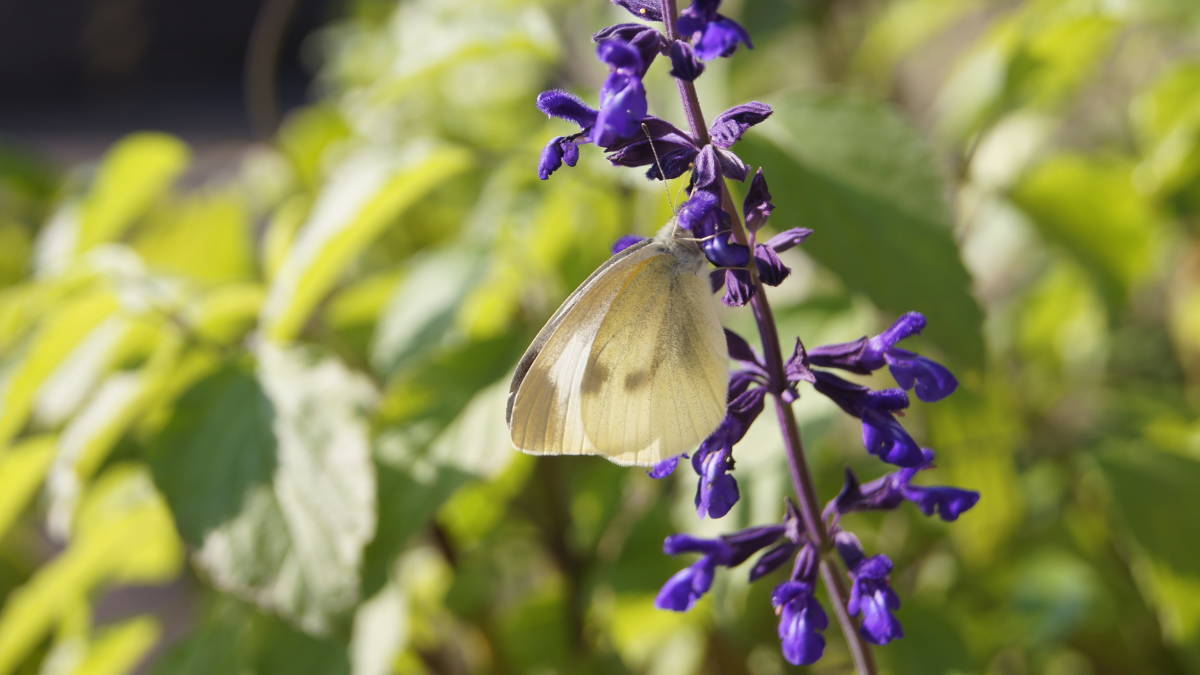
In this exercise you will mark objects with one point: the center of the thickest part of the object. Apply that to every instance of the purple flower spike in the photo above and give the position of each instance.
(729, 126)
(757, 206)
(801, 620)
(645, 9)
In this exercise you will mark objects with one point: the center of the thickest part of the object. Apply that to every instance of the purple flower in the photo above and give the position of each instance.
(890, 490)
(625, 242)
(684, 64)
(801, 620)
(686, 586)
(771, 269)
(560, 149)
(932, 380)
(659, 143)
(729, 126)
(716, 491)
(712, 34)
(883, 435)
(623, 96)
(870, 594)
(666, 467)
(647, 40)
(757, 206)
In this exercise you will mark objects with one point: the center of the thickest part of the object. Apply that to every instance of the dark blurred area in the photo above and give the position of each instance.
(78, 74)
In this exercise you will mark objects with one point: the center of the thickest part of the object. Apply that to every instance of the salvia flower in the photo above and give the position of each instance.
(883, 435)
(623, 96)
(932, 380)
(658, 144)
(712, 34)
(687, 586)
(891, 490)
(801, 620)
(870, 595)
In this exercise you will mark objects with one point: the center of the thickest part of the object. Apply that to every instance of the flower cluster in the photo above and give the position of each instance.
(623, 128)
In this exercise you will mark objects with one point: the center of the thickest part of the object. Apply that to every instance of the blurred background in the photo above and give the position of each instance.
(265, 269)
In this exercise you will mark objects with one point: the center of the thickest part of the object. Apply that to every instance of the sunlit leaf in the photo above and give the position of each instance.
(866, 183)
(25, 369)
(136, 171)
(269, 474)
(119, 649)
(1090, 207)
(125, 533)
(23, 467)
(216, 223)
(366, 194)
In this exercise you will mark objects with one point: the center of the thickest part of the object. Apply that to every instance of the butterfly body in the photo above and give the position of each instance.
(632, 366)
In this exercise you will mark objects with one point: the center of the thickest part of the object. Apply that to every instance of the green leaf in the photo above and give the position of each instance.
(868, 185)
(1090, 207)
(365, 195)
(125, 534)
(119, 649)
(24, 370)
(1154, 495)
(217, 223)
(136, 172)
(23, 468)
(421, 316)
(269, 475)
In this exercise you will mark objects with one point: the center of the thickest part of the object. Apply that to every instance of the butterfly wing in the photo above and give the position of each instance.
(544, 404)
(655, 381)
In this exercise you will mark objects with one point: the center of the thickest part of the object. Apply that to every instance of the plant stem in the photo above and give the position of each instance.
(810, 511)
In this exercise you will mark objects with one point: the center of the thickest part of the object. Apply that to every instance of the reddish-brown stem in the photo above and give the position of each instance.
(810, 510)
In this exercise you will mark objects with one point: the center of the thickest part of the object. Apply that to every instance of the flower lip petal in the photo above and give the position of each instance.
(565, 105)
(645, 9)
(730, 125)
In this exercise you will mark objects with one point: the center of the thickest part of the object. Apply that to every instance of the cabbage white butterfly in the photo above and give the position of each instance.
(632, 366)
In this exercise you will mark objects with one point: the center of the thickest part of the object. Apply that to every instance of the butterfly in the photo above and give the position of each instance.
(632, 366)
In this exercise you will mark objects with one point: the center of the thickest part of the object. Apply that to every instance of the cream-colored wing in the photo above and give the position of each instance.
(656, 377)
(544, 405)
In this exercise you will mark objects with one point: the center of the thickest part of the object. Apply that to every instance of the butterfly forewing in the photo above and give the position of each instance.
(655, 381)
(632, 365)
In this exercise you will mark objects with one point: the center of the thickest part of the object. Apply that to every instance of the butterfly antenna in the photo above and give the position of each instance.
(663, 175)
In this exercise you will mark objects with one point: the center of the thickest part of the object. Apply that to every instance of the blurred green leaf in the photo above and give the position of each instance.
(1090, 207)
(1152, 491)
(270, 477)
(135, 173)
(45, 349)
(421, 316)
(866, 183)
(1166, 118)
(120, 648)
(216, 223)
(365, 195)
(23, 467)
(125, 534)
